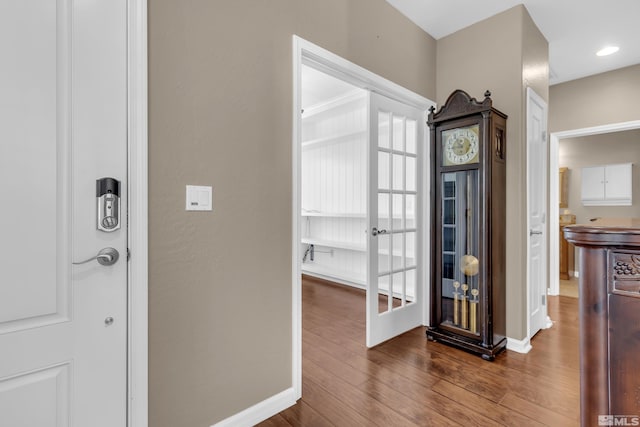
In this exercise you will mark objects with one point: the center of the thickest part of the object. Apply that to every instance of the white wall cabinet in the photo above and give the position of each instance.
(609, 185)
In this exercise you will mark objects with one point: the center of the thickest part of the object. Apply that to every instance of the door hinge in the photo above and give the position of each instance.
(544, 300)
(128, 254)
(544, 135)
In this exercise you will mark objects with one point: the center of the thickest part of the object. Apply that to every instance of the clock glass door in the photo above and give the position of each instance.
(459, 250)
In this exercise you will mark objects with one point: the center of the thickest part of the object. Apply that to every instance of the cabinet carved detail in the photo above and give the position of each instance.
(624, 273)
(460, 103)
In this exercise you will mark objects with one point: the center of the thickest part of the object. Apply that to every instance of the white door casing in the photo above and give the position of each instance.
(320, 58)
(394, 217)
(63, 124)
(537, 272)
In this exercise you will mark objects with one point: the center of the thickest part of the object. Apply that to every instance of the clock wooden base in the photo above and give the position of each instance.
(487, 352)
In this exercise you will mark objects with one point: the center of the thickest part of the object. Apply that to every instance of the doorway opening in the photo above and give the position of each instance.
(340, 164)
(573, 174)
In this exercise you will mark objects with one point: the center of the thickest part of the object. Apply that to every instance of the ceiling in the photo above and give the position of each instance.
(575, 29)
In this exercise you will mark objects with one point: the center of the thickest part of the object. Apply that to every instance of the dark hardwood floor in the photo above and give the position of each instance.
(409, 381)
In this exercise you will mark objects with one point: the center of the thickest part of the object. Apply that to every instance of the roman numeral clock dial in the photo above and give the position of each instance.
(460, 146)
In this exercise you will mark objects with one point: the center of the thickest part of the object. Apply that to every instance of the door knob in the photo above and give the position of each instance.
(106, 256)
(375, 231)
(532, 232)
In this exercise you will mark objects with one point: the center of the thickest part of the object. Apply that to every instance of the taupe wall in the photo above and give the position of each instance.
(504, 54)
(220, 91)
(602, 99)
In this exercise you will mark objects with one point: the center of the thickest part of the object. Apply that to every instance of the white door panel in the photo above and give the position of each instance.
(536, 197)
(395, 262)
(63, 124)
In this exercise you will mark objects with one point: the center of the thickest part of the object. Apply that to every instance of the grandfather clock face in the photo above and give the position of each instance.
(460, 146)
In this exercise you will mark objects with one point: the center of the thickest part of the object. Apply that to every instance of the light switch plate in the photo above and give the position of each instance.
(199, 198)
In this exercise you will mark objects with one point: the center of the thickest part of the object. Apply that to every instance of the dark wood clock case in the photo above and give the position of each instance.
(468, 217)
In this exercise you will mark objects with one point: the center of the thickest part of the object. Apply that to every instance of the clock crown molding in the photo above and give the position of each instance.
(460, 104)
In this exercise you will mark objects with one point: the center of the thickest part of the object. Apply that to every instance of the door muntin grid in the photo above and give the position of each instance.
(397, 207)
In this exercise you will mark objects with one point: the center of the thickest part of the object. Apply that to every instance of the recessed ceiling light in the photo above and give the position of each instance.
(607, 50)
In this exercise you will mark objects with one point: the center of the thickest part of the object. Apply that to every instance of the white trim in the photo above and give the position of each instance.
(321, 59)
(425, 243)
(261, 411)
(554, 220)
(547, 323)
(519, 346)
(334, 65)
(137, 353)
(296, 205)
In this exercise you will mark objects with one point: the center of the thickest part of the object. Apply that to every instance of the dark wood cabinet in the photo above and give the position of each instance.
(566, 249)
(609, 319)
(468, 188)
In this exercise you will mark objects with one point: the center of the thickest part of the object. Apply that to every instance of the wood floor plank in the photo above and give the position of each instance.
(356, 398)
(410, 381)
(303, 415)
(446, 365)
(372, 361)
(542, 414)
(331, 407)
(479, 404)
(276, 421)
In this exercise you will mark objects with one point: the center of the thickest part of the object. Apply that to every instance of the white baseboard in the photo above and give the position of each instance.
(260, 411)
(519, 346)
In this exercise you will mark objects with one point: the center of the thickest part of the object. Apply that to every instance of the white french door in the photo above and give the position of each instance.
(395, 262)
(63, 126)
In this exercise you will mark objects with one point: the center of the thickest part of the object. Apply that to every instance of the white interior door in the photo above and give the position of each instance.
(537, 210)
(63, 125)
(395, 261)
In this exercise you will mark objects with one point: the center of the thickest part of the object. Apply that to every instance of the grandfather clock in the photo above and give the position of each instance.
(468, 214)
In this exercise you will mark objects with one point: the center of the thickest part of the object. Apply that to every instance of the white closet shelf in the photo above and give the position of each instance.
(350, 246)
(357, 96)
(335, 244)
(334, 214)
(332, 274)
(351, 215)
(333, 139)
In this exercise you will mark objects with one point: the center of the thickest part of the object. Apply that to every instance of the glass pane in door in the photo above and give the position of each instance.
(397, 192)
